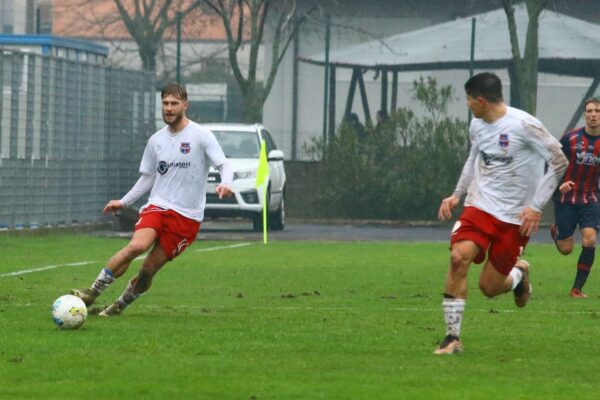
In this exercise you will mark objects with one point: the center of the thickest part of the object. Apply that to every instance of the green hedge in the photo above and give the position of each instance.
(400, 169)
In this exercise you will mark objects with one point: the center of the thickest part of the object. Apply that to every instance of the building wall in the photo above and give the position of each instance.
(18, 16)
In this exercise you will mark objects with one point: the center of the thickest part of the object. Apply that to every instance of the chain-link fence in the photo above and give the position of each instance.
(71, 137)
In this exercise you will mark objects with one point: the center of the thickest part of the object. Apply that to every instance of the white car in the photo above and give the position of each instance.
(241, 145)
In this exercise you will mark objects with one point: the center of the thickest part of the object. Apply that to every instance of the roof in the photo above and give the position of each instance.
(100, 20)
(562, 39)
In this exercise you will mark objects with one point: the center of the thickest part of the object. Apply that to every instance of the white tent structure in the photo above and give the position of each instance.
(567, 46)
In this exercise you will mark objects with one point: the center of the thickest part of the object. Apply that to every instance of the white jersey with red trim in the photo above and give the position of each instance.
(180, 162)
(505, 169)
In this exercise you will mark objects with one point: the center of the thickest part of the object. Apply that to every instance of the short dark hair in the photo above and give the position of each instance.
(593, 100)
(175, 90)
(486, 85)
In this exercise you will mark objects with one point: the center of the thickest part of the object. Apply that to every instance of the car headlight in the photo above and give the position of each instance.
(244, 174)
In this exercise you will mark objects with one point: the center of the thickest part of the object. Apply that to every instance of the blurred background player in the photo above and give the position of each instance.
(506, 189)
(174, 167)
(577, 202)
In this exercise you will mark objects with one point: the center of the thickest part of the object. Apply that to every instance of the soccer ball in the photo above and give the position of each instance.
(69, 312)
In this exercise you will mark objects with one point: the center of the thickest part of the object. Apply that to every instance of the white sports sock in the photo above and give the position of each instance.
(127, 297)
(104, 279)
(517, 275)
(453, 313)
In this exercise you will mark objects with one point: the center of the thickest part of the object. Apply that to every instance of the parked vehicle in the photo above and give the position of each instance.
(241, 145)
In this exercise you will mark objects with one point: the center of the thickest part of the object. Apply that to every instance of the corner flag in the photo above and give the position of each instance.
(262, 178)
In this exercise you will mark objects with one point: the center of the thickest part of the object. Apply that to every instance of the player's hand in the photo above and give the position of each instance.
(448, 204)
(567, 187)
(530, 221)
(112, 206)
(223, 191)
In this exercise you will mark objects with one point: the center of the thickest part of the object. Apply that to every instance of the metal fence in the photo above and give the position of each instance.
(71, 137)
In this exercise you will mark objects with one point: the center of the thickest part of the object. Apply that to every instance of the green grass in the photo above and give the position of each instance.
(292, 320)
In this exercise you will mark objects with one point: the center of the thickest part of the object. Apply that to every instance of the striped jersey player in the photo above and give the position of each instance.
(577, 202)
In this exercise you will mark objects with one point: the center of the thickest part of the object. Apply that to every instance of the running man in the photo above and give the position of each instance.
(577, 202)
(506, 189)
(175, 168)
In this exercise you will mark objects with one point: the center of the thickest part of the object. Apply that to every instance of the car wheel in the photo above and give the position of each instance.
(277, 220)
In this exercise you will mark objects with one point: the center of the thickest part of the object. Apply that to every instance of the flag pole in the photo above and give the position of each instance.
(265, 210)
(262, 182)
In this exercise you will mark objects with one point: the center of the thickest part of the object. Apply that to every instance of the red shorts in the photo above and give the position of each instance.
(175, 232)
(500, 240)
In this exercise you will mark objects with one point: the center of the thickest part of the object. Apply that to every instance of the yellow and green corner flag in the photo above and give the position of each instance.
(262, 179)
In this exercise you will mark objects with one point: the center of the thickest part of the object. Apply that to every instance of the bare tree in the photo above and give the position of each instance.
(244, 22)
(146, 21)
(524, 71)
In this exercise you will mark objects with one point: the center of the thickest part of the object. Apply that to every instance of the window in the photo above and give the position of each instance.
(236, 144)
(268, 140)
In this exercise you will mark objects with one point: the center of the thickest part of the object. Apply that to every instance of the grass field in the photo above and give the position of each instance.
(291, 320)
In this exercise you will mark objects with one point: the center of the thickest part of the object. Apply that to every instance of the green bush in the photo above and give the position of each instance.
(404, 166)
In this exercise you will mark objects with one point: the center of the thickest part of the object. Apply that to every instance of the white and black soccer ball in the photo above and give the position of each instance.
(69, 312)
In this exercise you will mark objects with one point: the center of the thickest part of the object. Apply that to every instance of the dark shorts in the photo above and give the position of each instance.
(568, 216)
(500, 241)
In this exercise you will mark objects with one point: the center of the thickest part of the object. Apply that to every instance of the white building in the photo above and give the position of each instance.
(18, 16)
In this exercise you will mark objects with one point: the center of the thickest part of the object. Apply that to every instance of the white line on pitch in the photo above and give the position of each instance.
(82, 263)
(335, 309)
(28, 271)
(233, 246)
(399, 309)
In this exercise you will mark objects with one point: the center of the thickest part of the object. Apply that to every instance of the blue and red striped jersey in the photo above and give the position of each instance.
(583, 152)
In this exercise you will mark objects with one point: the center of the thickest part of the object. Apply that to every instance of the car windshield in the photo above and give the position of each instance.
(237, 144)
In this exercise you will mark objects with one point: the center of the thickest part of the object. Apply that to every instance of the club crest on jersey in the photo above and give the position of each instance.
(503, 141)
(185, 148)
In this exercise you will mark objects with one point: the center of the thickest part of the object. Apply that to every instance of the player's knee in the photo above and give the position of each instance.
(458, 260)
(487, 289)
(565, 248)
(136, 248)
(588, 241)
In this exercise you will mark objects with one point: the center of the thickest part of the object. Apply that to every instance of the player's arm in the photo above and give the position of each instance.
(550, 149)
(567, 185)
(224, 188)
(143, 185)
(466, 176)
(215, 154)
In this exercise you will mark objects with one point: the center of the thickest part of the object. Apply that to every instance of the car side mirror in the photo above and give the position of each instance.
(275, 155)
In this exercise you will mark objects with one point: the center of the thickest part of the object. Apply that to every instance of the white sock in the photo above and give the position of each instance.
(516, 275)
(127, 297)
(104, 279)
(453, 313)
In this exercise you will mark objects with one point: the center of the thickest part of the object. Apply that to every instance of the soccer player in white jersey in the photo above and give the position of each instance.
(506, 188)
(174, 168)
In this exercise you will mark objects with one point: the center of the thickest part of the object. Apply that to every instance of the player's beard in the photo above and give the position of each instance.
(176, 120)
